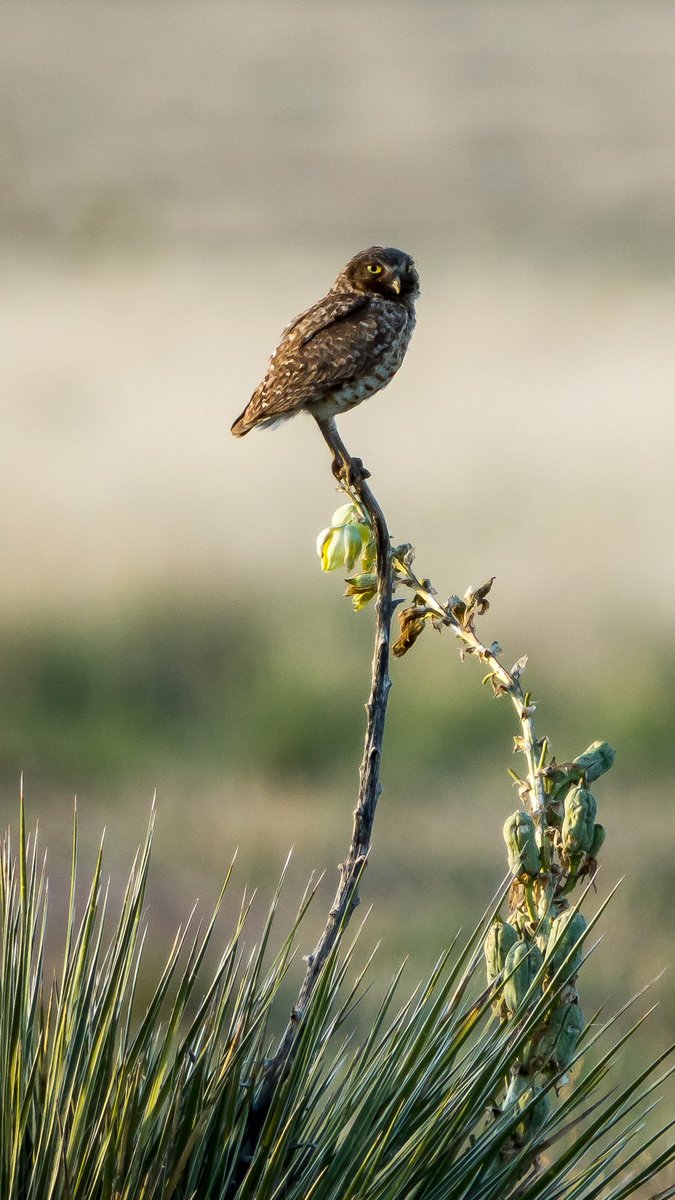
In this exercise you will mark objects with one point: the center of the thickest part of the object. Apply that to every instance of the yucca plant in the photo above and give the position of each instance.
(97, 1104)
(474, 1087)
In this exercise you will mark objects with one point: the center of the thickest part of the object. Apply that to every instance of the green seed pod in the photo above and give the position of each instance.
(520, 1092)
(536, 1116)
(559, 1040)
(578, 823)
(566, 929)
(521, 923)
(599, 835)
(501, 937)
(519, 1083)
(521, 844)
(522, 963)
(596, 760)
(542, 932)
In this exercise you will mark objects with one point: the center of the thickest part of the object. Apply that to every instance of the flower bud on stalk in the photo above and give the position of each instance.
(362, 588)
(345, 540)
(339, 547)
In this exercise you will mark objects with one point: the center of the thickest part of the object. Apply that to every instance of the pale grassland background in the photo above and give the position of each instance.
(176, 181)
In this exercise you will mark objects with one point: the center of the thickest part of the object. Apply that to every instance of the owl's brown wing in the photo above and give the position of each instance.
(325, 347)
(334, 307)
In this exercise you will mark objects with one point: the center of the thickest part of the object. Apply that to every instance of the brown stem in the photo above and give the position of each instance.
(346, 897)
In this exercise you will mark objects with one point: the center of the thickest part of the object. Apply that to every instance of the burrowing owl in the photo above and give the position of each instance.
(342, 349)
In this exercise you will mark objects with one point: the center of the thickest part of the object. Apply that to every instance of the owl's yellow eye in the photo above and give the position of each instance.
(374, 269)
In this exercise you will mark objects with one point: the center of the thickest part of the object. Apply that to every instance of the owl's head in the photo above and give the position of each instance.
(384, 270)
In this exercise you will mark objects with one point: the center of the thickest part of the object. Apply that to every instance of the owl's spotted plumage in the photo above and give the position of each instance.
(342, 349)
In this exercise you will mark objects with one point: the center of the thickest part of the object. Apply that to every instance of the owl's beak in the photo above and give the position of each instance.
(396, 284)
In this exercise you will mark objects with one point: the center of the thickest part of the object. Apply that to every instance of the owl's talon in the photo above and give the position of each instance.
(357, 472)
(350, 471)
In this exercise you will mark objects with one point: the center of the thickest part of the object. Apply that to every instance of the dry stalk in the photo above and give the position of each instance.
(346, 897)
(504, 682)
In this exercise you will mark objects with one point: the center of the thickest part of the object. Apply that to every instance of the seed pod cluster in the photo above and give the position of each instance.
(533, 958)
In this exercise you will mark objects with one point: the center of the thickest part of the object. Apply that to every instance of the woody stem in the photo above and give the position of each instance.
(346, 897)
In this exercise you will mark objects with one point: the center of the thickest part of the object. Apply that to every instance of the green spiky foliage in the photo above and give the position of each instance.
(100, 1102)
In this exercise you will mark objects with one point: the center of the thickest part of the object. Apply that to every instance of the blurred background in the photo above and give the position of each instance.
(176, 182)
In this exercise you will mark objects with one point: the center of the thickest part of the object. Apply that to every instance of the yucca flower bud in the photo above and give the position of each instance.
(339, 546)
(344, 541)
(521, 844)
(362, 589)
(365, 582)
(521, 965)
(351, 514)
(346, 514)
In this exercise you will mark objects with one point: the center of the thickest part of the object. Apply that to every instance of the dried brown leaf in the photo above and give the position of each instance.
(412, 625)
